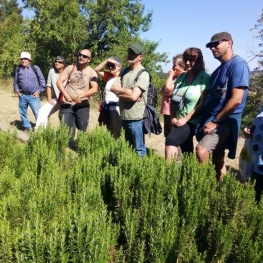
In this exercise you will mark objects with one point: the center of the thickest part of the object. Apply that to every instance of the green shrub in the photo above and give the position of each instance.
(104, 203)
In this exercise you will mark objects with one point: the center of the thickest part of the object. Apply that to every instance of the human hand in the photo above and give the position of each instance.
(67, 98)
(210, 126)
(171, 73)
(50, 101)
(174, 122)
(247, 132)
(77, 99)
(35, 95)
(181, 122)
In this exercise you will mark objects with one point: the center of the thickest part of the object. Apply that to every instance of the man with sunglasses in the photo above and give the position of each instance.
(224, 104)
(82, 83)
(133, 97)
(109, 70)
(29, 82)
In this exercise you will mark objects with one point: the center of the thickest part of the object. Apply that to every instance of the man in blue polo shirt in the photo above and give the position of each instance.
(29, 82)
(224, 104)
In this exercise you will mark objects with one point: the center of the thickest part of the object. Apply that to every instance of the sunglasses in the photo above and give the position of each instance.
(59, 61)
(189, 59)
(24, 59)
(215, 44)
(82, 55)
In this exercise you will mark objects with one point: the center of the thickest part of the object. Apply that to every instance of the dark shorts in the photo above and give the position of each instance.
(182, 136)
(215, 141)
(167, 126)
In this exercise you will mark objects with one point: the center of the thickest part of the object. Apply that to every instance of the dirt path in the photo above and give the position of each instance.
(9, 115)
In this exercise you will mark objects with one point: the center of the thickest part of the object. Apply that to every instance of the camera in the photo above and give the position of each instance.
(178, 102)
(110, 65)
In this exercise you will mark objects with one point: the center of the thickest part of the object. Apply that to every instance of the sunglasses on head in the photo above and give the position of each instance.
(59, 61)
(189, 59)
(82, 55)
(215, 44)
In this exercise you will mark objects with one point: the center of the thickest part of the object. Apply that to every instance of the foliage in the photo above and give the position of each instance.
(11, 37)
(106, 204)
(106, 27)
(259, 27)
(254, 101)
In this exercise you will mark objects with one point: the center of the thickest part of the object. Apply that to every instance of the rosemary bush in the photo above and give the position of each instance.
(104, 203)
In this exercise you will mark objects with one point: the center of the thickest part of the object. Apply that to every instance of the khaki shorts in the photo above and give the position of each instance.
(215, 141)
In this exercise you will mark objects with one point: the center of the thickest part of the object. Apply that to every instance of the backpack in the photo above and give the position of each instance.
(151, 122)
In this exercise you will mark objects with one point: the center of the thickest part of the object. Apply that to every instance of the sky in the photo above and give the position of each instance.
(180, 24)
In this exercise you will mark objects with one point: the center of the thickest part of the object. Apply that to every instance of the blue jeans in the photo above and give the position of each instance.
(134, 135)
(34, 104)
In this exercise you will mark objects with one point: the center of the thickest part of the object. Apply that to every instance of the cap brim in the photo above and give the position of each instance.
(209, 44)
(26, 58)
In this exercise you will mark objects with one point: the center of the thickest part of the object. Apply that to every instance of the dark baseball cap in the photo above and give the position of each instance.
(218, 37)
(137, 48)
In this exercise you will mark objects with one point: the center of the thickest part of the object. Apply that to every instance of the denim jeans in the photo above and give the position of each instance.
(34, 104)
(134, 135)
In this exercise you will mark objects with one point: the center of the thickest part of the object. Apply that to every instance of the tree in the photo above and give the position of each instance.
(11, 37)
(58, 28)
(106, 27)
(9, 7)
(259, 27)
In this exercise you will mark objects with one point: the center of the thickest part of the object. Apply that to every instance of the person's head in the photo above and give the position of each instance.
(25, 59)
(84, 57)
(59, 63)
(135, 54)
(114, 65)
(178, 64)
(221, 46)
(193, 59)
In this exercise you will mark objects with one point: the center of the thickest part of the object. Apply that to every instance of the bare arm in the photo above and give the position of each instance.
(118, 90)
(49, 92)
(195, 112)
(92, 90)
(231, 105)
(132, 94)
(169, 84)
(163, 92)
(60, 86)
(100, 67)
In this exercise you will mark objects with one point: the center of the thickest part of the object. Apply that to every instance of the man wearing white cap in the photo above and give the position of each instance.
(224, 104)
(29, 82)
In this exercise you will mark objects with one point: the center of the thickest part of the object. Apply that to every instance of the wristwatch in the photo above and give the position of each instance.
(215, 120)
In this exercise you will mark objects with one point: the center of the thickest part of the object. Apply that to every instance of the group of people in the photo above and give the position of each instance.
(193, 103)
(209, 107)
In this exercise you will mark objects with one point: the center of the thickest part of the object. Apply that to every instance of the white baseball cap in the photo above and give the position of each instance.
(25, 55)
